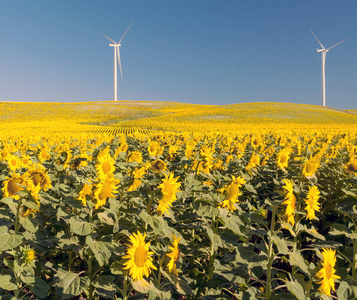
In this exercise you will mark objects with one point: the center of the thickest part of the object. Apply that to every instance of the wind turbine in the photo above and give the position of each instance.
(323, 52)
(117, 60)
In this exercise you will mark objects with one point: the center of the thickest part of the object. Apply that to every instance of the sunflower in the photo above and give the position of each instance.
(312, 202)
(233, 192)
(4, 153)
(104, 190)
(86, 190)
(310, 167)
(283, 158)
(290, 201)
(174, 255)
(169, 188)
(105, 166)
(351, 166)
(43, 155)
(137, 174)
(13, 162)
(37, 173)
(29, 255)
(135, 156)
(327, 273)
(154, 148)
(158, 166)
(253, 162)
(25, 160)
(139, 261)
(14, 184)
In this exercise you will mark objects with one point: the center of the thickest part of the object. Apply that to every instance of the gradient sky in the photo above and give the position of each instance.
(204, 52)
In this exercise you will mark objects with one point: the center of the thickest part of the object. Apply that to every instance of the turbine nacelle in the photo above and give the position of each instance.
(321, 50)
(114, 45)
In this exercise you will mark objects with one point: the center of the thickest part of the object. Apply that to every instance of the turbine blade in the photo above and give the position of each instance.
(337, 44)
(109, 39)
(118, 57)
(317, 40)
(125, 32)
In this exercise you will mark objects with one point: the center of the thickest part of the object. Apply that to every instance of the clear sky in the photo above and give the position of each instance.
(204, 52)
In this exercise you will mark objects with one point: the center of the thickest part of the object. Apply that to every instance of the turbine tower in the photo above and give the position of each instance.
(117, 61)
(323, 52)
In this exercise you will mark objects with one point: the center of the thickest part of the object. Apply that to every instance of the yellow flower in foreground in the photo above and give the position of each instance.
(104, 190)
(37, 173)
(139, 261)
(233, 192)
(29, 255)
(290, 201)
(14, 184)
(327, 273)
(169, 188)
(105, 166)
(174, 255)
(312, 202)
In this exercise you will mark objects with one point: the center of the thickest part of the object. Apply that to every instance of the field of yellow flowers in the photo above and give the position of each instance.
(160, 200)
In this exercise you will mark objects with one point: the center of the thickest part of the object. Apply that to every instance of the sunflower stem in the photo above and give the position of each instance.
(18, 216)
(159, 272)
(270, 255)
(125, 287)
(90, 271)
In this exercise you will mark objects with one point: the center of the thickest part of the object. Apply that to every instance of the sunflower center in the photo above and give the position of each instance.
(309, 167)
(37, 178)
(140, 256)
(283, 158)
(328, 270)
(105, 192)
(14, 186)
(352, 167)
(176, 254)
(159, 165)
(233, 191)
(13, 162)
(168, 192)
(106, 167)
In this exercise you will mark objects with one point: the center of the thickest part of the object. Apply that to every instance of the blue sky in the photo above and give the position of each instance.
(205, 52)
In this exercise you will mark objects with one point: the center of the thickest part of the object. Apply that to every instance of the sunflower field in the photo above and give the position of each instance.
(158, 200)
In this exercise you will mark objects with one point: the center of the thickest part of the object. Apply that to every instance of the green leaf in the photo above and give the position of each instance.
(297, 260)
(296, 288)
(281, 244)
(29, 224)
(38, 286)
(69, 284)
(105, 287)
(246, 254)
(345, 291)
(80, 227)
(9, 241)
(100, 250)
(116, 268)
(6, 284)
(30, 203)
(105, 218)
(182, 287)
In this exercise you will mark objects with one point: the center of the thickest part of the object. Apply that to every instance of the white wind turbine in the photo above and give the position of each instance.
(117, 58)
(323, 52)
